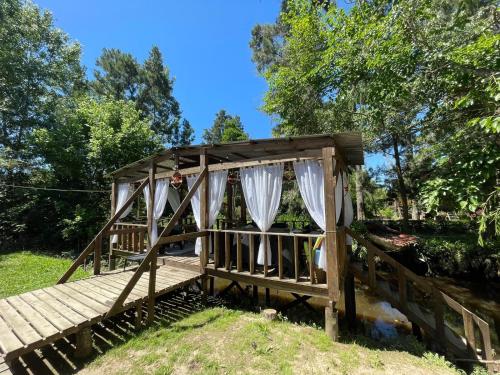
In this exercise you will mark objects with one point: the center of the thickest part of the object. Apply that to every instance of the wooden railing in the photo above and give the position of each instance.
(131, 237)
(229, 253)
(95, 246)
(413, 293)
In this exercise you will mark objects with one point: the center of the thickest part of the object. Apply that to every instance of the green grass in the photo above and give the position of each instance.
(225, 341)
(25, 270)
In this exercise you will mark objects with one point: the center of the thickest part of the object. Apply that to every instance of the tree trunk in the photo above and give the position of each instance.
(414, 210)
(360, 203)
(401, 182)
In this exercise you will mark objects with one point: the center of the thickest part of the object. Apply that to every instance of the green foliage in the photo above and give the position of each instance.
(226, 128)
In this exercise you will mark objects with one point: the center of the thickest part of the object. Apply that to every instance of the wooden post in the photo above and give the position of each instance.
(331, 321)
(331, 238)
(204, 212)
(152, 267)
(83, 343)
(350, 295)
(243, 206)
(229, 212)
(138, 316)
(112, 258)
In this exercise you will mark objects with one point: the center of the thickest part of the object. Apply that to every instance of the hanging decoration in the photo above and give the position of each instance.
(232, 178)
(176, 180)
(289, 173)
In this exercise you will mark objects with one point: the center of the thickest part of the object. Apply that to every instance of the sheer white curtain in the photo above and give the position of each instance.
(124, 191)
(310, 178)
(348, 209)
(262, 190)
(216, 188)
(160, 199)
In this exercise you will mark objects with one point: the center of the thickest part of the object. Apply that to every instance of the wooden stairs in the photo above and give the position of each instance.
(430, 308)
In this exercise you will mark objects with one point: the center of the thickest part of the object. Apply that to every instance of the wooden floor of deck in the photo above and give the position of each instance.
(34, 319)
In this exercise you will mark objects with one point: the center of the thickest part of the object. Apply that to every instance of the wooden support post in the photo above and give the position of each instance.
(112, 258)
(268, 297)
(417, 332)
(83, 343)
(212, 286)
(151, 247)
(97, 255)
(229, 212)
(138, 316)
(243, 206)
(331, 321)
(330, 181)
(204, 289)
(204, 212)
(255, 294)
(350, 300)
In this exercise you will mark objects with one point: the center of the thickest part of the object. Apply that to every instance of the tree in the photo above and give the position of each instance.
(183, 135)
(397, 71)
(119, 76)
(226, 128)
(92, 139)
(39, 65)
(156, 95)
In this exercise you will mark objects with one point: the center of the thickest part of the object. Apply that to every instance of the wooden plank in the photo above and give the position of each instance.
(469, 329)
(311, 262)
(58, 314)
(280, 257)
(204, 210)
(22, 329)
(91, 293)
(266, 260)
(72, 303)
(216, 249)
(8, 340)
(182, 237)
(114, 286)
(44, 327)
(251, 257)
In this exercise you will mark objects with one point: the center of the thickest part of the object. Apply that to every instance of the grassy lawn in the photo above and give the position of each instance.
(225, 341)
(25, 270)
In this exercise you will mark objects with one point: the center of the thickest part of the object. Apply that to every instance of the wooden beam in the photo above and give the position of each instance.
(117, 305)
(112, 260)
(251, 162)
(108, 225)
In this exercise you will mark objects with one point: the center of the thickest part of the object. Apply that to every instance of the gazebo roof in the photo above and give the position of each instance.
(349, 145)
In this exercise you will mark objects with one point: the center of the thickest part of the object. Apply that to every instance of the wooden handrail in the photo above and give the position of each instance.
(91, 246)
(439, 298)
(284, 234)
(151, 254)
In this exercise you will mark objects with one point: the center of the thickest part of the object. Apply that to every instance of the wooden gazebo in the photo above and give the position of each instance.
(233, 244)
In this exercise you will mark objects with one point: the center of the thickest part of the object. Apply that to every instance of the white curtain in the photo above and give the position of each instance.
(310, 178)
(174, 198)
(348, 209)
(124, 192)
(262, 190)
(216, 188)
(160, 199)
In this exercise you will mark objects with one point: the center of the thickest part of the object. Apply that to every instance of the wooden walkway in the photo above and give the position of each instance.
(34, 319)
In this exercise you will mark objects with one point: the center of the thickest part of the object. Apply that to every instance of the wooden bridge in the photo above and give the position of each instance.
(34, 319)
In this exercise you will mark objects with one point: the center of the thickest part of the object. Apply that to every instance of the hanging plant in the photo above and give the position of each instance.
(289, 173)
(232, 178)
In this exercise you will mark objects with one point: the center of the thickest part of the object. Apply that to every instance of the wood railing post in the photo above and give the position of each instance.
(151, 247)
(112, 259)
(97, 255)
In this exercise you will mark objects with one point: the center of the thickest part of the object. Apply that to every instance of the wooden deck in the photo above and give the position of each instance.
(34, 319)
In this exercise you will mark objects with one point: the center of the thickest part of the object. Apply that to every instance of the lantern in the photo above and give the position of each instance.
(176, 180)
(232, 178)
(289, 173)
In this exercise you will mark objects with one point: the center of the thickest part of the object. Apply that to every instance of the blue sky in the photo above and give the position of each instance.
(204, 43)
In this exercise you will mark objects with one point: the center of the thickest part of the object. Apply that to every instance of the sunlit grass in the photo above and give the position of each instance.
(25, 270)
